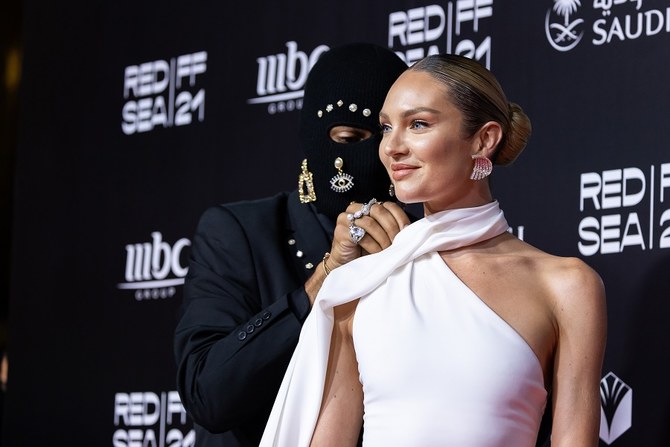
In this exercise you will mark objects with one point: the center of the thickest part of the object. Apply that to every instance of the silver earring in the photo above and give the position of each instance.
(341, 182)
(391, 190)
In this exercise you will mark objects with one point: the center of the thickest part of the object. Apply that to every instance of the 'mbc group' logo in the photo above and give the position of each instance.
(281, 78)
(616, 411)
(149, 266)
(563, 31)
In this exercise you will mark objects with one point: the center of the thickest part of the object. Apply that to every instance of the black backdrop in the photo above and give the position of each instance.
(136, 116)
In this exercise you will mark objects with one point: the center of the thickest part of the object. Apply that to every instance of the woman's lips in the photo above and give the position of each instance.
(401, 170)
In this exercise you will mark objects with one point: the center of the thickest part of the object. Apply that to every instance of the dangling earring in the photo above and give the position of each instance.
(341, 182)
(305, 180)
(482, 167)
(391, 190)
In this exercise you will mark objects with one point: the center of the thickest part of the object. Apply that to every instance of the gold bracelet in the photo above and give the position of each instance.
(325, 266)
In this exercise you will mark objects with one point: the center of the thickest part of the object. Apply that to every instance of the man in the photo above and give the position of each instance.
(256, 266)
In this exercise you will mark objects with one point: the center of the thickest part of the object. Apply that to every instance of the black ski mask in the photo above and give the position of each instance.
(347, 87)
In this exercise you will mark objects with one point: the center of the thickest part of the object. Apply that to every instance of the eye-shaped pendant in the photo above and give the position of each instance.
(341, 182)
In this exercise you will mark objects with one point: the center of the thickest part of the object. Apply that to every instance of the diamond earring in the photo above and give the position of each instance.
(482, 168)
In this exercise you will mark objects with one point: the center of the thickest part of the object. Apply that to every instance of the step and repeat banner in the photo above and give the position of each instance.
(136, 116)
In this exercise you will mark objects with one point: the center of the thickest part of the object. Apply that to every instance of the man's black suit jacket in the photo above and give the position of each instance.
(244, 305)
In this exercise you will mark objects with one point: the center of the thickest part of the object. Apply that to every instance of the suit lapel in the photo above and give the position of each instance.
(311, 240)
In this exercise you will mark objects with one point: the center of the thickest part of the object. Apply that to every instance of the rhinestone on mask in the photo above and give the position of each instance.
(352, 108)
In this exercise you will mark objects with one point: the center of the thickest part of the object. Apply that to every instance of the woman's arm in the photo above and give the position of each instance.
(581, 319)
(341, 415)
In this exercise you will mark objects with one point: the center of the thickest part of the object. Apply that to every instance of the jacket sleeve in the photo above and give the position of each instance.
(232, 346)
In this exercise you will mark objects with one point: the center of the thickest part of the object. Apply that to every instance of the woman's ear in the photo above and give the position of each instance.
(487, 139)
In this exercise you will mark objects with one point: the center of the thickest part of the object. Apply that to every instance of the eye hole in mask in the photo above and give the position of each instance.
(349, 134)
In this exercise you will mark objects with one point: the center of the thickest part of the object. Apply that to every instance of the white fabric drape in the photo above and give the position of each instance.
(298, 401)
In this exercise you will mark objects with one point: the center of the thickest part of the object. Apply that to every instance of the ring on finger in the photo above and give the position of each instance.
(356, 233)
(364, 211)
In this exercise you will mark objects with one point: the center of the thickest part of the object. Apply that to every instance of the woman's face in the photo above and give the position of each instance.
(422, 145)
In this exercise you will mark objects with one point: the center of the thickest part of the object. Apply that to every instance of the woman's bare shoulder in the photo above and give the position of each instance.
(572, 286)
(564, 279)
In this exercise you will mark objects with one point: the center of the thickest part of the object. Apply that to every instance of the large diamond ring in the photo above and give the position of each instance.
(356, 233)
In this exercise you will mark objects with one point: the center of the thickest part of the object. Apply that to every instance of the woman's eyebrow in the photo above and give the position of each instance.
(413, 111)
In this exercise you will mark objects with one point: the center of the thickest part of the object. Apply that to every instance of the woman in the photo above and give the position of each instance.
(461, 330)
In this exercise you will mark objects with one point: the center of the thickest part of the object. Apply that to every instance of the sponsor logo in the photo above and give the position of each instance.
(163, 93)
(154, 269)
(412, 34)
(627, 208)
(282, 76)
(563, 32)
(151, 419)
(423, 31)
(616, 410)
(616, 21)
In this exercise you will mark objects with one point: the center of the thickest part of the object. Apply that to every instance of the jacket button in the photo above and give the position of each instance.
(250, 328)
(266, 315)
(241, 335)
(258, 322)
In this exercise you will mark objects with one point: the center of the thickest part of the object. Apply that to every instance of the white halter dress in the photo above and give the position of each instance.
(438, 366)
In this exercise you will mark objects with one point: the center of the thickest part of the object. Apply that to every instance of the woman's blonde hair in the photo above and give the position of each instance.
(478, 95)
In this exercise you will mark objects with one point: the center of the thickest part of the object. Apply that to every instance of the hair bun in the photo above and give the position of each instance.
(517, 137)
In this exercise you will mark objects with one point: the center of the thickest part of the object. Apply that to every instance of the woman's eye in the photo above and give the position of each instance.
(384, 128)
(416, 124)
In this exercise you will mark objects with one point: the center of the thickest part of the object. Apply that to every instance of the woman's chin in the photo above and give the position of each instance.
(406, 198)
